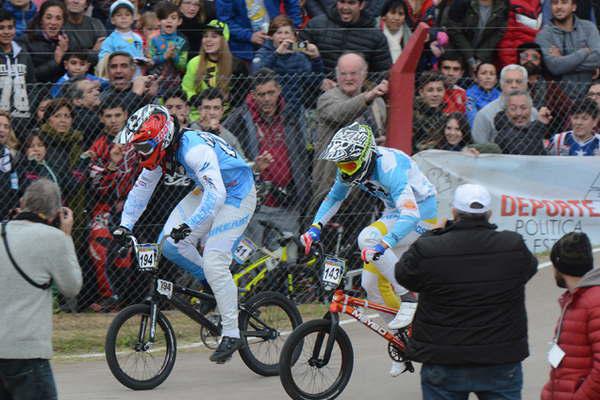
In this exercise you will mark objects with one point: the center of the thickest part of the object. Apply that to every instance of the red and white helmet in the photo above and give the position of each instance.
(150, 130)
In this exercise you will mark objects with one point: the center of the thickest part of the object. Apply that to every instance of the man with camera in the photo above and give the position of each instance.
(34, 256)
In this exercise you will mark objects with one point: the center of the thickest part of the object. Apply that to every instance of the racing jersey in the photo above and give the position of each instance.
(397, 181)
(213, 165)
(566, 144)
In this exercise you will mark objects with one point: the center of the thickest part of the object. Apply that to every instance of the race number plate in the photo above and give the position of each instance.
(244, 250)
(164, 287)
(333, 272)
(147, 255)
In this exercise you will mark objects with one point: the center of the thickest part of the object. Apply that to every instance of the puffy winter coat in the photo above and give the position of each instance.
(577, 377)
(41, 50)
(334, 37)
(524, 22)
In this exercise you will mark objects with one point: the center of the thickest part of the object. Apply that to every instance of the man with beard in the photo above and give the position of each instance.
(574, 351)
(544, 91)
(571, 47)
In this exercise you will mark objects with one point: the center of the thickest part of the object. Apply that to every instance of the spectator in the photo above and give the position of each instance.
(340, 106)
(9, 156)
(45, 256)
(347, 28)
(43, 101)
(84, 94)
(483, 91)
(470, 328)
(544, 92)
(148, 27)
(17, 68)
(210, 104)
(268, 128)
(298, 68)
(594, 94)
(428, 114)
(571, 47)
(134, 93)
(489, 17)
(85, 33)
(194, 15)
(215, 66)
(176, 102)
(123, 39)
(583, 139)
(523, 25)
(453, 68)
(77, 65)
(249, 26)
(45, 41)
(169, 51)
(517, 134)
(574, 351)
(512, 78)
(454, 135)
(112, 172)
(396, 26)
(23, 11)
(318, 7)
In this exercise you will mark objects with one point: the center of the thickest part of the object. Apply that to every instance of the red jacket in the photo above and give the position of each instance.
(577, 377)
(524, 22)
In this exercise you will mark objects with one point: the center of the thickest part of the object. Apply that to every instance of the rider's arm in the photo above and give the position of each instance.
(406, 204)
(139, 196)
(203, 161)
(332, 203)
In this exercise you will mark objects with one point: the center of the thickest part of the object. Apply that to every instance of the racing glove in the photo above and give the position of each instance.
(371, 254)
(180, 232)
(120, 236)
(312, 235)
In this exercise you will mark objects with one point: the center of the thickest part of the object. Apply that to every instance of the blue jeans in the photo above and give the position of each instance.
(28, 379)
(488, 382)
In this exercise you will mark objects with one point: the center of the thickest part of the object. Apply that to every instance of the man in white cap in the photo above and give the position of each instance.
(470, 328)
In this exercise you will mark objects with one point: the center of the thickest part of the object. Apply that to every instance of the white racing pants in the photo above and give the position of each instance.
(218, 235)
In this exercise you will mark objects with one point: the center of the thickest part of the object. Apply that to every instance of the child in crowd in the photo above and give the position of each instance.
(396, 26)
(76, 64)
(582, 140)
(168, 50)
(23, 11)
(483, 91)
(148, 28)
(123, 38)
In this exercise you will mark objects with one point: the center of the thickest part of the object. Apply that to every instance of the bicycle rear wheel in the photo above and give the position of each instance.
(269, 316)
(132, 359)
(303, 374)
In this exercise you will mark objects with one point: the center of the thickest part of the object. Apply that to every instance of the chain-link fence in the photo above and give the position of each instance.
(280, 128)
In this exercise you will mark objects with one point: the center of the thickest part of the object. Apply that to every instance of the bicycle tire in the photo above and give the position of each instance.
(112, 354)
(257, 306)
(290, 356)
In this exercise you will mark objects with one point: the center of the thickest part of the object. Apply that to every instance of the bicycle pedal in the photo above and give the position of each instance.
(408, 366)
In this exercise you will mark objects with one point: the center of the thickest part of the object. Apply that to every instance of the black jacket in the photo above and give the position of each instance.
(471, 284)
(528, 140)
(41, 51)
(334, 37)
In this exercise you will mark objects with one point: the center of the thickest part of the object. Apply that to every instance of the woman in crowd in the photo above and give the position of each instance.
(455, 133)
(215, 66)
(396, 26)
(483, 91)
(298, 65)
(9, 182)
(46, 42)
(193, 16)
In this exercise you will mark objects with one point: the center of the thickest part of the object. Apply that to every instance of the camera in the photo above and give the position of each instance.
(300, 46)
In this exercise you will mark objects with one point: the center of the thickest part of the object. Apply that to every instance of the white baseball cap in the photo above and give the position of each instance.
(473, 199)
(121, 3)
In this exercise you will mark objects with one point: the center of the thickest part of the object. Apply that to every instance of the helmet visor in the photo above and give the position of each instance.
(349, 167)
(145, 148)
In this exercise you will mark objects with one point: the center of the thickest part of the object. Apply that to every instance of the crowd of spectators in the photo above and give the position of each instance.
(276, 79)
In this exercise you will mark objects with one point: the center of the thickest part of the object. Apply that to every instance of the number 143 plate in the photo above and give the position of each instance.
(333, 271)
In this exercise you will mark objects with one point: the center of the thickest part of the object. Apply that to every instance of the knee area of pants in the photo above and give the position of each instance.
(170, 250)
(369, 237)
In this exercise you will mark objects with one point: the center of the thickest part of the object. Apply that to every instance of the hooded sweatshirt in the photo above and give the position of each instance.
(16, 72)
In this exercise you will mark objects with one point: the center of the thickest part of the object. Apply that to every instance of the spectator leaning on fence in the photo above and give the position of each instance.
(582, 140)
(470, 328)
(428, 113)
(571, 47)
(454, 134)
(512, 77)
(517, 134)
(453, 68)
(84, 32)
(46, 255)
(483, 91)
(574, 351)
(347, 27)
(342, 105)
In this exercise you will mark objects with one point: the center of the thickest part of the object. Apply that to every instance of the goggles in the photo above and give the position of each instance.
(145, 148)
(349, 167)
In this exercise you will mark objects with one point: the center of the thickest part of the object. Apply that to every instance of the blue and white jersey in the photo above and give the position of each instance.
(398, 182)
(213, 165)
(566, 144)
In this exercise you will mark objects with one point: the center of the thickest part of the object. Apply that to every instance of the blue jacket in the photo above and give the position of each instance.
(114, 42)
(235, 14)
(477, 98)
(22, 18)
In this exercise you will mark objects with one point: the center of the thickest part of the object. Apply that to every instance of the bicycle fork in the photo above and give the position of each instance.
(148, 322)
(315, 361)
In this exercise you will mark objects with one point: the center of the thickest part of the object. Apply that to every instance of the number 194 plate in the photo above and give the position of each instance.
(333, 271)
(147, 255)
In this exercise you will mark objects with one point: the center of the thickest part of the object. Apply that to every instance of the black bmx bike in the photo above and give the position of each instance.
(140, 343)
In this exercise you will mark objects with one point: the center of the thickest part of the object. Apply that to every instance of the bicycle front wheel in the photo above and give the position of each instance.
(303, 371)
(269, 317)
(135, 361)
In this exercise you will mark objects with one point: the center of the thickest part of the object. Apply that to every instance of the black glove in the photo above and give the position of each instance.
(121, 236)
(180, 232)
